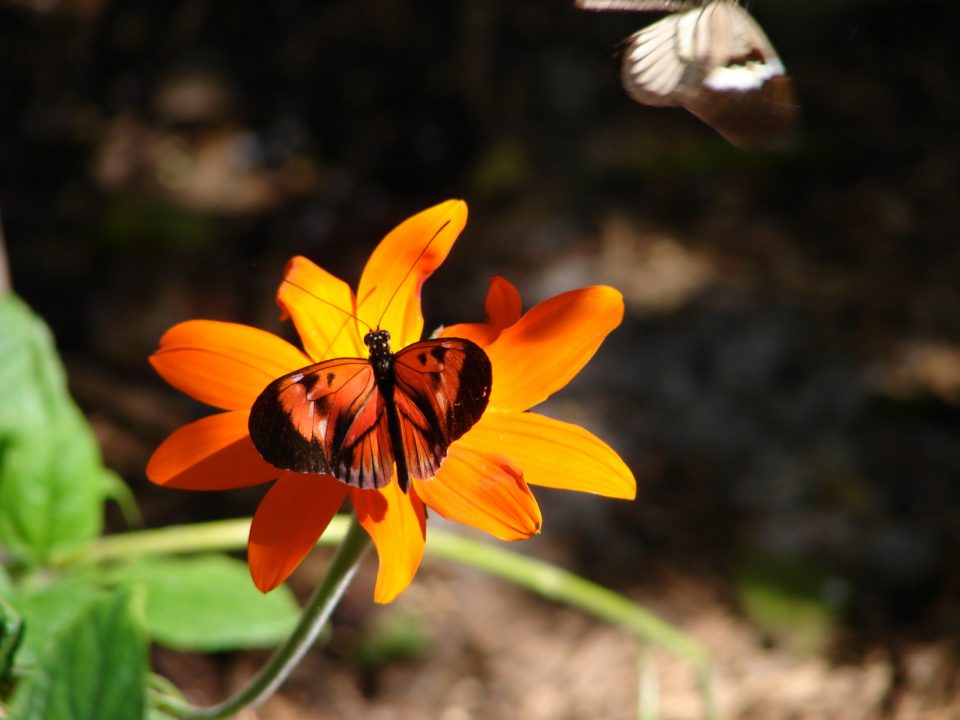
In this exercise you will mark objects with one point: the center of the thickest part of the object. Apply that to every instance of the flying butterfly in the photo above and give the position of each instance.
(354, 418)
(712, 58)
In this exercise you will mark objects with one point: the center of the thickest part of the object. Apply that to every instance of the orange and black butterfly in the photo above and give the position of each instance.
(353, 418)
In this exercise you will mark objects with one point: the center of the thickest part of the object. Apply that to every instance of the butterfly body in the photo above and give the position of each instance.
(713, 59)
(354, 418)
(382, 360)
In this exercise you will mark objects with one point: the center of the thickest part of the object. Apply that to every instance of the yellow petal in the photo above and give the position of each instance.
(322, 309)
(389, 293)
(288, 522)
(484, 490)
(213, 453)
(547, 347)
(553, 453)
(397, 524)
(223, 364)
(503, 310)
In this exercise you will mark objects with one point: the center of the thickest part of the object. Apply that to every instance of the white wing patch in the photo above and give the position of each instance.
(715, 61)
(743, 78)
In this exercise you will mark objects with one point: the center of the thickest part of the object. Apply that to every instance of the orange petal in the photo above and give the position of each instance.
(503, 310)
(322, 309)
(407, 256)
(481, 333)
(544, 349)
(223, 364)
(214, 453)
(288, 522)
(484, 490)
(503, 303)
(553, 453)
(397, 523)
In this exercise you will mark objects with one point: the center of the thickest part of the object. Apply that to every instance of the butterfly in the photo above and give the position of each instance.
(712, 58)
(353, 418)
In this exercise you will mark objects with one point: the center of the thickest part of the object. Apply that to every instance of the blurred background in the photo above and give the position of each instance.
(786, 383)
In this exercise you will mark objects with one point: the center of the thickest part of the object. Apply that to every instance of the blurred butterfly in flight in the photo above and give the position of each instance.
(712, 58)
(354, 418)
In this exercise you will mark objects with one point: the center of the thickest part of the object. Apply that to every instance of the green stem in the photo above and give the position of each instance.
(649, 685)
(564, 587)
(219, 535)
(285, 658)
(539, 577)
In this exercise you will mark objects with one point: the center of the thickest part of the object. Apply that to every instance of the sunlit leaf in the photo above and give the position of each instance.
(209, 603)
(95, 669)
(52, 481)
(47, 609)
(11, 634)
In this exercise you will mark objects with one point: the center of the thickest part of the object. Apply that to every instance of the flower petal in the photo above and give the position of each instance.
(223, 364)
(213, 453)
(484, 490)
(407, 256)
(397, 523)
(290, 518)
(503, 310)
(547, 347)
(553, 453)
(311, 297)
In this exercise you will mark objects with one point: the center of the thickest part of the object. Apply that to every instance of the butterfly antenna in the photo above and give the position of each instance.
(410, 270)
(326, 302)
(343, 325)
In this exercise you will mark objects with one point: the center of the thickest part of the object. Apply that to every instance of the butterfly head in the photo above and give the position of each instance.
(378, 341)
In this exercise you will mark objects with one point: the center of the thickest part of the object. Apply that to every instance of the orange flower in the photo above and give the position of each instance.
(483, 480)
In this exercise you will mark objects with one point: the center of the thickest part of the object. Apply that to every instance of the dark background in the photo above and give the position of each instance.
(787, 378)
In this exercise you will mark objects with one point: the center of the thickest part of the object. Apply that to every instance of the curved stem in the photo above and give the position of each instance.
(216, 535)
(562, 586)
(278, 667)
(542, 578)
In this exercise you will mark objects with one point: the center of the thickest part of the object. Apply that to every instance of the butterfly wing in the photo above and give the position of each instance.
(634, 5)
(333, 418)
(653, 67)
(743, 91)
(441, 389)
(326, 418)
(716, 62)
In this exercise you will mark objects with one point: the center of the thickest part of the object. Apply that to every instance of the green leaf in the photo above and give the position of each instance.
(118, 491)
(96, 668)
(209, 603)
(47, 610)
(790, 600)
(52, 481)
(11, 634)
